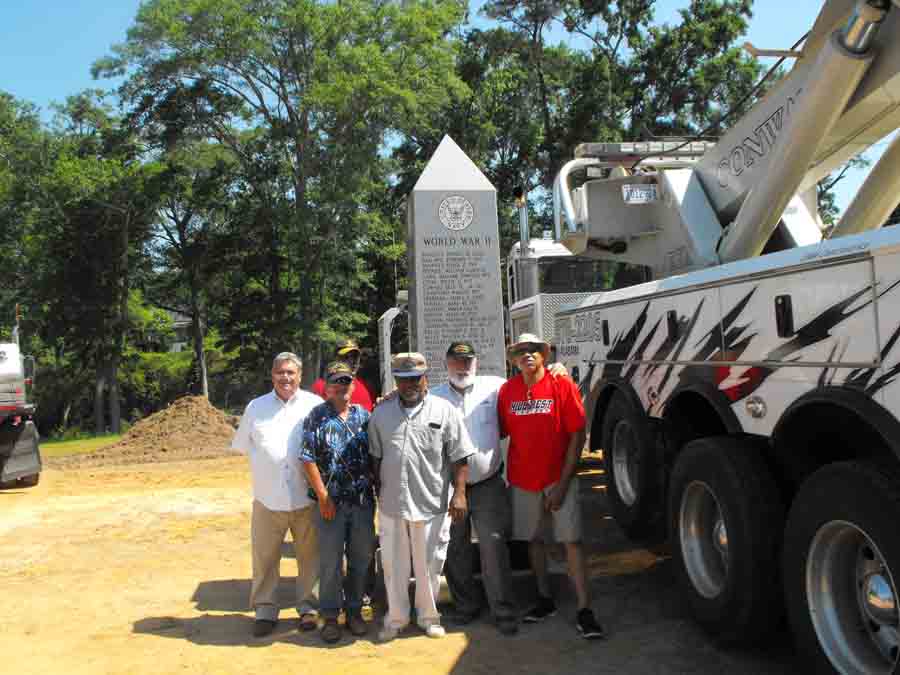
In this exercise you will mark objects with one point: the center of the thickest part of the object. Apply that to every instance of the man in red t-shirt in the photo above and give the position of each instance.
(544, 418)
(348, 352)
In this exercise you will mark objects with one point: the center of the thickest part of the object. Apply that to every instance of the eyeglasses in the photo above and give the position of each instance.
(345, 380)
(530, 348)
(412, 379)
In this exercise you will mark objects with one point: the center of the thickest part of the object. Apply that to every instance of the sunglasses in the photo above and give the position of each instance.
(343, 379)
(412, 379)
(527, 349)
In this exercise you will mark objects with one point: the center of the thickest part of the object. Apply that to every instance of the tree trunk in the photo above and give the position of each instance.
(99, 407)
(197, 330)
(311, 362)
(67, 410)
(115, 409)
(120, 325)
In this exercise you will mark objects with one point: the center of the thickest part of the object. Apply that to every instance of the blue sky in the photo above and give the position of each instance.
(48, 47)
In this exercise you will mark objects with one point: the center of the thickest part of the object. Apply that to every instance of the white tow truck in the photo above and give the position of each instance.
(747, 398)
(20, 457)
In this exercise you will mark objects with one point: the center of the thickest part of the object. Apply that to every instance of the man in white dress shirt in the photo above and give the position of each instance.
(475, 396)
(270, 433)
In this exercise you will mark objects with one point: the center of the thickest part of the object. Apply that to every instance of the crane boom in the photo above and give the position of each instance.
(841, 96)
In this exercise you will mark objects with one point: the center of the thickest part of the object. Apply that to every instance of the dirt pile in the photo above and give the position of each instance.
(190, 428)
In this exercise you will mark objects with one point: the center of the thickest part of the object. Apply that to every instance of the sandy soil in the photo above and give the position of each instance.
(145, 569)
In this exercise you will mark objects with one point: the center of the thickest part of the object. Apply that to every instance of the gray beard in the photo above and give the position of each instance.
(462, 382)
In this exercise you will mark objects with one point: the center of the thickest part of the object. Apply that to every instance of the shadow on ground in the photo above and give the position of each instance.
(635, 598)
(633, 592)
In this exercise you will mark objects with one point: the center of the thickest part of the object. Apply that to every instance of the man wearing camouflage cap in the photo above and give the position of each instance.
(419, 444)
(348, 352)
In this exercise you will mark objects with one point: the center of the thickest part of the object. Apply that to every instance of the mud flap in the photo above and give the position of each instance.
(19, 452)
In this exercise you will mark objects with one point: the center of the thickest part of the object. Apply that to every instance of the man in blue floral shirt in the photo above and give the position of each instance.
(335, 456)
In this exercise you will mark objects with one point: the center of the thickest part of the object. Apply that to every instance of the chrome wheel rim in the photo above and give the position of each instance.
(626, 463)
(703, 536)
(852, 600)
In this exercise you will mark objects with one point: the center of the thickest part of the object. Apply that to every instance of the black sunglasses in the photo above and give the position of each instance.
(343, 379)
(412, 379)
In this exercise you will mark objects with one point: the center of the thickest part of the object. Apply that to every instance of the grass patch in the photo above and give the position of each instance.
(78, 446)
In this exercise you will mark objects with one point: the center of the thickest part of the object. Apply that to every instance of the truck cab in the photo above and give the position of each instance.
(20, 457)
(547, 276)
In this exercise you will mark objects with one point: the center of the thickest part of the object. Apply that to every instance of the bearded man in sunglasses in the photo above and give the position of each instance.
(544, 418)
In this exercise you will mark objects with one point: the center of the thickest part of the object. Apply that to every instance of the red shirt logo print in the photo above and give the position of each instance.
(540, 406)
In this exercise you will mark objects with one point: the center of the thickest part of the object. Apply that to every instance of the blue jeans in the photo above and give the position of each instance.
(350, 532)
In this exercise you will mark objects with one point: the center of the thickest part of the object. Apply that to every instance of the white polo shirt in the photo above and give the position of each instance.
(271, 432)
(478, 407)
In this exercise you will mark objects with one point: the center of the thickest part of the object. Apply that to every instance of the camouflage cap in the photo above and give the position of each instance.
(338, 372)
(345, 347)
(408, 364)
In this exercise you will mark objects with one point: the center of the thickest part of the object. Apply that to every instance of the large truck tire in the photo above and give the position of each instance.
(633, 470)
(30, 481)
(842, 568)
(20, 455)
(725, 521)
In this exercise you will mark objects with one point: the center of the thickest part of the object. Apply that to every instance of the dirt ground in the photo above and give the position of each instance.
(145, 569)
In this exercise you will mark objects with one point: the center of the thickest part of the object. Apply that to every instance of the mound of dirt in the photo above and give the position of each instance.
(190, 428)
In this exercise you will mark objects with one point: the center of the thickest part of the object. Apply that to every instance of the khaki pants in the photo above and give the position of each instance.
(267, 531)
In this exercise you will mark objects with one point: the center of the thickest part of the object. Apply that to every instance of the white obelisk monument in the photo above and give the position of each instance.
(454, 263)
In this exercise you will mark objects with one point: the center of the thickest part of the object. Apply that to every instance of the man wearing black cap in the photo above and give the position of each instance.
(347, 351)
(475, 396)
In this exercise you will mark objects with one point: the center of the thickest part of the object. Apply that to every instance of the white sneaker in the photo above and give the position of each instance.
(387, 633)
(435, 630)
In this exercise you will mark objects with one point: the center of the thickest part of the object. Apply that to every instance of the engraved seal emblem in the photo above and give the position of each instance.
(456, 213)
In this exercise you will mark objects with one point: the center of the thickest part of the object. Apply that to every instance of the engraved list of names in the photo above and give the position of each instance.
(457, 290)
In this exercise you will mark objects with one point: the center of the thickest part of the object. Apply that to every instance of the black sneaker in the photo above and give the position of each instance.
(545, 607)
(507, 626)
(459, 618)
(587, 625)
(331, 632)
(263, 627)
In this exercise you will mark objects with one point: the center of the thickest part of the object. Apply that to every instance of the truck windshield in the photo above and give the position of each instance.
(573, 275)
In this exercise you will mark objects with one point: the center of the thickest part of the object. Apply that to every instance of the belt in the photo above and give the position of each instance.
(498, 472)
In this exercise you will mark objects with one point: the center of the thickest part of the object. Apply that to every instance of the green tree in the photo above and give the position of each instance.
(97, 201)
(529, 102)
(24, 160)
(194, 205)
(305, 94)
(825, 196)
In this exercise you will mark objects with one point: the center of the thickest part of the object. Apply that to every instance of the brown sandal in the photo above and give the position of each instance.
(309, 621)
